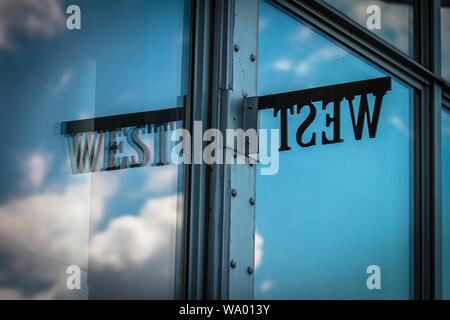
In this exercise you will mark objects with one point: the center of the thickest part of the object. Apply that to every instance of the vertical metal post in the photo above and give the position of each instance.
(196, 180)
(427, 266)
(220, 215)
(231, 210)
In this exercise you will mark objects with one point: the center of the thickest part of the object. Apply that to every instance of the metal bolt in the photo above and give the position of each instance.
(250, 270)
(250, 106)
(252, 201)
(234, 117)
(234, 192)
(252, 57)
(236, 47)
(233, 264)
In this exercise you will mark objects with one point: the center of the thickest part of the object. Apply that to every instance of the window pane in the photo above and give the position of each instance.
(396, 19)
(445, 35)
(446, 204)
(331, 211)
(119, 227)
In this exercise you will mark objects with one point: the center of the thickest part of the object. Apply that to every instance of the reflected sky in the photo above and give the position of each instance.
(120, 226)
(446, 204)
(396, 20)
(445, 46)
(332, 210)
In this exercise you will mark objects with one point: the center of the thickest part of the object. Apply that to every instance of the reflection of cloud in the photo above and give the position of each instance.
(32, 17)
(64, 80)
(399, 124)
(130, 241)
(10, 294)
(263, 24)
(308, 64)
(395, 19)
(282, 65)
(37, 167)
(302, 33)
(162, 179)
(41, 234)
(259, 241)
(266, 286)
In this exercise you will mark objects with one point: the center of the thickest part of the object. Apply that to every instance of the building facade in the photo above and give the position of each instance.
(235, 149)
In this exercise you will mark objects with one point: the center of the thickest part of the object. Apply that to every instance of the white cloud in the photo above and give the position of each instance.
(49, 224)
(259, 242)
(282, 65)
(263, 24)
(300, 34)
(324, 54)
(43, 233)
(43, 18)
(64, 80)
(395, 19)
(130, 241)
(266, 286)
(37, 168)
(400, 125)
(162, 179)
(11, 294)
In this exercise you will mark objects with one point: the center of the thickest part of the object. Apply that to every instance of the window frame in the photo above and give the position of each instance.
(215, 92)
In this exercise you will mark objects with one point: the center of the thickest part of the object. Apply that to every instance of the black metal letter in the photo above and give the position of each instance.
(364, 112)
(284, 127)
(335, 120)
(305, 124)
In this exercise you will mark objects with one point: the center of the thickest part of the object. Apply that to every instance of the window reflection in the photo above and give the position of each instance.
(396, 19)
(119, 227)
(446, 203)
(332, 211)
(445, 36)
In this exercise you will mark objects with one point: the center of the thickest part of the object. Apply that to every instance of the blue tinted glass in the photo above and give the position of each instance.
(445, 36)
(396, 24)
(446, 204)
(333, 213)
(117, 228)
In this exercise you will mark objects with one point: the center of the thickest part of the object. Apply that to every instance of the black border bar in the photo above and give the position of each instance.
(109, 123)
(326, 93)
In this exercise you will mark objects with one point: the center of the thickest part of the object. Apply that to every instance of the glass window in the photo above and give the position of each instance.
(335, 221)
(445, 35)
(446, 204)
(116, 231)
(396, 24)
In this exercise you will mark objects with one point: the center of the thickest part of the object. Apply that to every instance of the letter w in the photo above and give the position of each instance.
(364, 113)
(84, 151)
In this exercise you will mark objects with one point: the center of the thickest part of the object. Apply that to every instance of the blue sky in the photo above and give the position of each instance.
(332, 210)
(126, 58)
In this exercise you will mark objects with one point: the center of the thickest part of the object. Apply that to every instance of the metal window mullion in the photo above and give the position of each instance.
(428, 269)
(232, 216)
(358, 39)
(198, 100)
